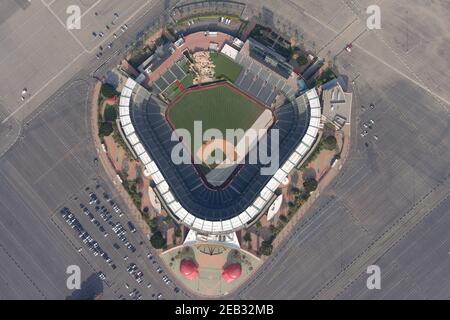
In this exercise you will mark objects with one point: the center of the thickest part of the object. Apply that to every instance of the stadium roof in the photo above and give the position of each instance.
(229, 51)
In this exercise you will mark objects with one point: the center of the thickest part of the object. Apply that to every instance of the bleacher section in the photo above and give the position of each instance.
(184, 193)
(270, 58)
(261, 82)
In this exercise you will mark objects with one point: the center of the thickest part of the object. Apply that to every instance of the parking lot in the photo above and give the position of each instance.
(99, 18)
(57, 53)
(102, 232)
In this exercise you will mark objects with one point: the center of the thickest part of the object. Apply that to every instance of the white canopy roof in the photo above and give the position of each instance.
(124, 111)
(139, 148)
(130, 83)
(126, 92)
(124, 101)
(311, 94)
(133, 139)
(145, 158)
(124, 120)
(128, 129)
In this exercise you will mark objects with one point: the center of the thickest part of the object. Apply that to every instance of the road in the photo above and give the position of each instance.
(389, 205)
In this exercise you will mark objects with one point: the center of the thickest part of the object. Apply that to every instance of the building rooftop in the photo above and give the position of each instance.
(336, 101)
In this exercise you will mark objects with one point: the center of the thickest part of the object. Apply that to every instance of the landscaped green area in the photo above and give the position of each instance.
(219, 107)
(325, 76)
(225, 67)
(174, 90)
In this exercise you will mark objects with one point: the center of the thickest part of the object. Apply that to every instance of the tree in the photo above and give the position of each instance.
(153, 224)
(157, 240)
(266, 248)
(167, 219)
(302, 60)
(329, 143)
(295, 190)
(247, 237)
(105, 129)
(108, 91)
(310, 185)
(110, 114)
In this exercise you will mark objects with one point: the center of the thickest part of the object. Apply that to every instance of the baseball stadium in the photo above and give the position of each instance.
(223, 83)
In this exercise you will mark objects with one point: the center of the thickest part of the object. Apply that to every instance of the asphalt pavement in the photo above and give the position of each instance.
(387, 207)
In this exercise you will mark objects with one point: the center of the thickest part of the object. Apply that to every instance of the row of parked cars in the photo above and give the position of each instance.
(134, 271)
(120, 231)
(85, 237)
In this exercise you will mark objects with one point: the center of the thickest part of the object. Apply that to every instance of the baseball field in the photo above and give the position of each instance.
(220, 107)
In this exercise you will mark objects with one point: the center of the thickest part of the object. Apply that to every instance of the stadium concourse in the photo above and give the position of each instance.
(181, 188)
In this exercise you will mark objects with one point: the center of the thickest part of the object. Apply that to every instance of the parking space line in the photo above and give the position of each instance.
(64, 26)
(43, 87)
(126, 21)
(89, 9)
(380, 60)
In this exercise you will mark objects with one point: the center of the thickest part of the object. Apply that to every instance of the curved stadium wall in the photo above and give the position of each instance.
(206, 219)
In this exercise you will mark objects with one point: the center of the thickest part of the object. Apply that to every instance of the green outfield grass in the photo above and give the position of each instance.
(225, 67)
(217, 107)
